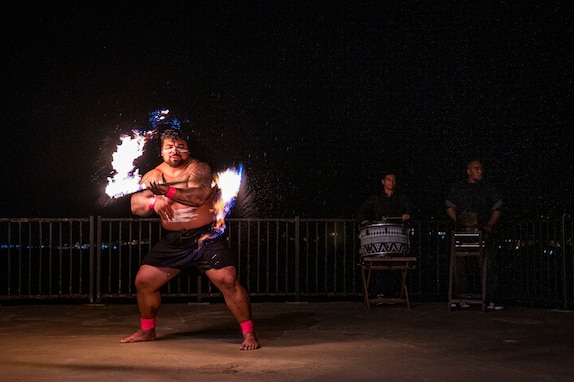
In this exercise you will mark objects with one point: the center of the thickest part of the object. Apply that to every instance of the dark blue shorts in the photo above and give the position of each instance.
(179, 250)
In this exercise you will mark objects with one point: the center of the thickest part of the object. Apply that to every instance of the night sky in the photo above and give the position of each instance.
(316, 99)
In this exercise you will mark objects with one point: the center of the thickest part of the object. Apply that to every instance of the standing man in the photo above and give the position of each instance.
(186, 214)
(387, 204)
(474, 204)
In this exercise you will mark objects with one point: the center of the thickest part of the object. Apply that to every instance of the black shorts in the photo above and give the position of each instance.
(179, 250)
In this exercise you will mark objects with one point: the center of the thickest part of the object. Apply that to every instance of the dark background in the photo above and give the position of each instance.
(316, 99)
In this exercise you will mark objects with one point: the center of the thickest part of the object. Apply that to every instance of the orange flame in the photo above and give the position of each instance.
(228, 184)
(126, 179)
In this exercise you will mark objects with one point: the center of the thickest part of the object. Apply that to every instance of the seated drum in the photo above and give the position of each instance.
(384, 238)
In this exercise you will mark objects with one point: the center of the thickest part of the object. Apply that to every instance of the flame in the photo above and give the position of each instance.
(228, 184)
(126, 179)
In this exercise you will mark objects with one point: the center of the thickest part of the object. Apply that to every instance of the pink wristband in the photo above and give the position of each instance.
(152, 203)
(246, 326)
(171, 192)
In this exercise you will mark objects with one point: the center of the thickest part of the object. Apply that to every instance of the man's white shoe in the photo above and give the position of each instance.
(493, 306)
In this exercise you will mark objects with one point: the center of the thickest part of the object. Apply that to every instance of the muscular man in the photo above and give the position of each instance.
(185, 209)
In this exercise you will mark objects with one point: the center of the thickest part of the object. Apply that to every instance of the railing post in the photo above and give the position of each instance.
(564, 277)
(92, 258)
(98, 261)
(297, 258)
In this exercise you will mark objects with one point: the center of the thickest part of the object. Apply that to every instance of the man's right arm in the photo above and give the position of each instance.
(142, 203)
(451, 212)
(451, 207)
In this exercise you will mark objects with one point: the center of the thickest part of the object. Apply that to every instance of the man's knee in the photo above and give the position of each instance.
(153, 278)
(228, 281)
(224, 278)
(142, 281)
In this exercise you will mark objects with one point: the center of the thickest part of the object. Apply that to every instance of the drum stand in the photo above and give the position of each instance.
(382, 263)
(467, 245)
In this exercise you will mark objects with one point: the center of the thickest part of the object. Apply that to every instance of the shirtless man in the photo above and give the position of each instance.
(186, 215)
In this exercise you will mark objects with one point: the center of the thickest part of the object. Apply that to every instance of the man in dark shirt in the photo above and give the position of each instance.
(474, 196)
(385, 205)
(474, 204)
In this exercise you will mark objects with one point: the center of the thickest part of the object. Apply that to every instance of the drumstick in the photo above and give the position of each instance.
(172, 183)
(392, 218)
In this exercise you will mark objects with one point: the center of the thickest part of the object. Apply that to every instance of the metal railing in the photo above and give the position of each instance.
(96, 259)
(47, 258)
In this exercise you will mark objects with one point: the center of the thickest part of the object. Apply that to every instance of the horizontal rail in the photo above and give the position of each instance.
(95, 259)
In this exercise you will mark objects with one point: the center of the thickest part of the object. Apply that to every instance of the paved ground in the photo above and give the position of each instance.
(328, 341)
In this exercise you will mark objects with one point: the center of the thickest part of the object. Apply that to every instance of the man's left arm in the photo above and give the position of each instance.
(495, 211)
(492, 220)
(406, 208)
(193, 196)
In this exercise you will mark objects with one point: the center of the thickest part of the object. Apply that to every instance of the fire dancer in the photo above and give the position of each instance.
(186, 213)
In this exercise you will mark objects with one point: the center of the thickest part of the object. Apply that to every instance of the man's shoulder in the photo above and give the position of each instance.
(399, 195)
(462, 183)
(198, 165)
(155, 175)
(491, 189)
(487, 184)
(466, 185)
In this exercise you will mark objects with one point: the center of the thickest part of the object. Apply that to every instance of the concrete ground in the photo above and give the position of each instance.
(327, 341)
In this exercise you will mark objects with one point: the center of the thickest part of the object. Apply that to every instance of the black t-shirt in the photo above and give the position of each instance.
(381, 206)
(481, 198)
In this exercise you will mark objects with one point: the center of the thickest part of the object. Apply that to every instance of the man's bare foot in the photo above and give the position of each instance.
(140, 336)
(250, 342)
